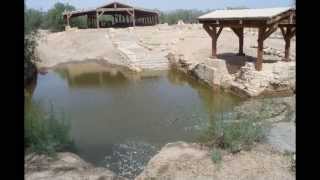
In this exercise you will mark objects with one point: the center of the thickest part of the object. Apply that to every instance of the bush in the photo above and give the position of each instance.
(45, 133)
(30, 69)
(233, 136)
(216, 156)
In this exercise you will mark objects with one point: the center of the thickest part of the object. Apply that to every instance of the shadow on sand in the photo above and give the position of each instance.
(235, 62)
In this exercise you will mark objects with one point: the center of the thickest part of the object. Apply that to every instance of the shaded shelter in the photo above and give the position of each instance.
(266, 20)
(122, 16)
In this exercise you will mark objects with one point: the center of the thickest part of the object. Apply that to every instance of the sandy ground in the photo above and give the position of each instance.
(69, 46)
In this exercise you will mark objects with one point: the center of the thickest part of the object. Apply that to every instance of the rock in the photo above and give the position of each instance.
(282, 137)
(180, 22)
(66, 166)
(213, 72)
(69, 28)
(278, 77)
(274, 110)
(181, 160)
(278, 112)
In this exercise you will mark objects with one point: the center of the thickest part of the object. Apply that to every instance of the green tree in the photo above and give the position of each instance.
(33, 19)
(54, 18)
(188, 16)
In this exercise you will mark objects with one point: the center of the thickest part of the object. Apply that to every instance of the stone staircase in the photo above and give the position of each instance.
(137, 55)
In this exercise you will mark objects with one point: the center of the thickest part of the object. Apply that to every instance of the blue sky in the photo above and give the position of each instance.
(165, 4)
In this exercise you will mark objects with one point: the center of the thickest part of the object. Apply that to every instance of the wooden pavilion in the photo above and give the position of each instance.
(266, 20)
(123, 16)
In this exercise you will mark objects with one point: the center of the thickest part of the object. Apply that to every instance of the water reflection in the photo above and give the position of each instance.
(213, 100)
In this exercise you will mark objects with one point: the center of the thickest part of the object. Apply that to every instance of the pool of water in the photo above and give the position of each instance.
(120, 119)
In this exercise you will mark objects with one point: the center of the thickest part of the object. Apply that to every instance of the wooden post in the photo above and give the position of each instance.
(212, 31)
(287, 33)
(214, 42)
(258, 64)
(88, 21)
(133, 19)
(287, 49)
(68, 21)
(239, 33)
(97, 16)
(241, 42)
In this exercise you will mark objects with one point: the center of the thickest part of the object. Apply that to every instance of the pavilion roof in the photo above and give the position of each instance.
(245, 14)
(109, 5)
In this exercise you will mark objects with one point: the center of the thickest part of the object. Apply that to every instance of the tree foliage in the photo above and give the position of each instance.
(188, 16)
(33, 20)
(54, 20)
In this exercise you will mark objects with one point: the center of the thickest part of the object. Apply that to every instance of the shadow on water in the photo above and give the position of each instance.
(120, 119)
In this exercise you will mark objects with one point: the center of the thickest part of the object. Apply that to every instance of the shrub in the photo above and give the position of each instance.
(292, 158)
(45, 133)
(233, 136)
(216, 156)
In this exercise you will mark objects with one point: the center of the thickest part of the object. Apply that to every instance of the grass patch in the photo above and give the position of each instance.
(45, 133)
(216, 156)
(292, 158)
(233, 136)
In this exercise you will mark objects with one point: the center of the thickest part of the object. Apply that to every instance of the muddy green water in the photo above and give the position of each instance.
(120, 119)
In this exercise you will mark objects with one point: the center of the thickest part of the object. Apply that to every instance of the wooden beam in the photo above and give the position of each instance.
(130, 13)
(235, 23)
(115, 9)
(220, 30)
(270, 30)
(284, 16)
